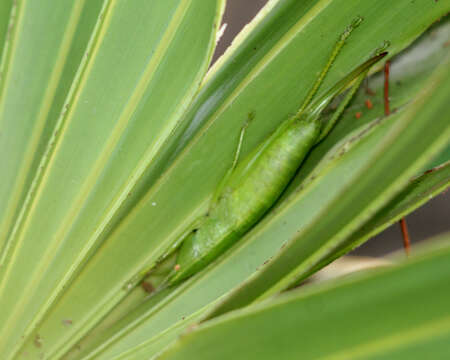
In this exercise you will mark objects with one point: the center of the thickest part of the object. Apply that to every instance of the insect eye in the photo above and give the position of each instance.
(194, 231)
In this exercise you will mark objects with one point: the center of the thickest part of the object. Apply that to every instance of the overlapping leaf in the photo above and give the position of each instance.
(5, 12)
(118, 185)
(125, 100)
(299, 222)
(145, 323)
(362, 317)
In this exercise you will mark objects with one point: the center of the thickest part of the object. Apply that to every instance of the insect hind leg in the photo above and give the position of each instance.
(337, 48)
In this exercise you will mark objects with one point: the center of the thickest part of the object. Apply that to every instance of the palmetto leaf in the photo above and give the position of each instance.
(113, 141)
(339, 320)
(126, 98)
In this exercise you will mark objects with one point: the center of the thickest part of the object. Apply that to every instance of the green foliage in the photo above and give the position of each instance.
(113, 140)
(339, 320)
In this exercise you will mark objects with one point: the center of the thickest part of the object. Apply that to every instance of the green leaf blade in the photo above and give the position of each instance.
(120, 191)
(5, 16)
(129, 95)
(195, 180)
(24, 140)
(371, 316)
(358, 200)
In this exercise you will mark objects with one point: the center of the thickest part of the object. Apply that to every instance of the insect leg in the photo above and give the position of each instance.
(179, 241)
(241, 140)
(337, 48)
(330, 123)
(314, 109)
(379, 53)
(225, 179)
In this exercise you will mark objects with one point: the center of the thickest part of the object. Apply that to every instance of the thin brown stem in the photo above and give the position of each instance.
(387, 111)
(405, 234)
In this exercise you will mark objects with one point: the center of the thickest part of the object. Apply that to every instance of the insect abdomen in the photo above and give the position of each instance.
(252, 189)
(270, 173)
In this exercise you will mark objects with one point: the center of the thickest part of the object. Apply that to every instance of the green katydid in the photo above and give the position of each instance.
(253, 184)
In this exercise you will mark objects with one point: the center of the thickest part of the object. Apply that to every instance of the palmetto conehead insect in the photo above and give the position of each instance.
(253, 184)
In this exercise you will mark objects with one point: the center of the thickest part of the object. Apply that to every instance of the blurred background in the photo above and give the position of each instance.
(431, 219)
